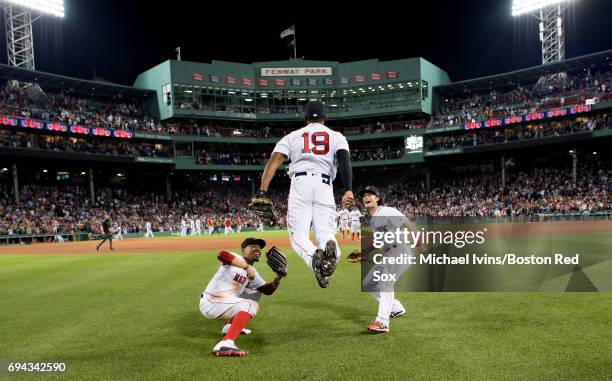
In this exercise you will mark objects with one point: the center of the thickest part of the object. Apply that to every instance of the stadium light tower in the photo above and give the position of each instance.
(18, 18)
(550, 16)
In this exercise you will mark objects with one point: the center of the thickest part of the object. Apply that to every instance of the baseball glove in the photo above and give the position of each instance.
(277, 261)
(354, 256)
(263, 207)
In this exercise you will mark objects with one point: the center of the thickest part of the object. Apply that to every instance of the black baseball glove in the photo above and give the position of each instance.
(354, 256)
(277, 261)
(263, 207)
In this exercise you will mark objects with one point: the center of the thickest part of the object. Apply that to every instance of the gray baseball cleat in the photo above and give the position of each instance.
(329, 259)
(317, 262)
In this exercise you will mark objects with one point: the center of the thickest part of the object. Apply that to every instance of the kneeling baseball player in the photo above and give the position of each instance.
(233, 291)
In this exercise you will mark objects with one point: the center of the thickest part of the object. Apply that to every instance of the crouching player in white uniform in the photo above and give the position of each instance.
(232, 293)
(385, 219)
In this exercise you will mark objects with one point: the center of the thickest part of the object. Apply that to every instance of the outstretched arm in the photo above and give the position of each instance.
(276, 160)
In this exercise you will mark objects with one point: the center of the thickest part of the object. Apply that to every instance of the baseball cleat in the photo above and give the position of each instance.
(377, 327)
(244, 332)
(329, 259)
(317, 262)
(397, 313)
(227, 348)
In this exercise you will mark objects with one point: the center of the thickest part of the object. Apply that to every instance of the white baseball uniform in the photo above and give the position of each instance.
(118, 233)
(388, 219)
(183, 228)
(149, 233)
(192, 229)
(260, 225)
(222, 298)
(355, 217)
(198, 225)
(344, 216)
(312, 152)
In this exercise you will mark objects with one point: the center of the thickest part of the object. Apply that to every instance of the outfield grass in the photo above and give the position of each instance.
(136, 316)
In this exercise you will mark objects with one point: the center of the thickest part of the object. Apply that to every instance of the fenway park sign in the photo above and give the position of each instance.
(294, 71)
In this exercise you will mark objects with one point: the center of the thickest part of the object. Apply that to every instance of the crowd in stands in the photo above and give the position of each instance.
(521, 132)
(575, 89)
(222, 157)
(209, 128)
(68, 108)
(379, 153)
(527, 192)
(212, 158)
(80, 145)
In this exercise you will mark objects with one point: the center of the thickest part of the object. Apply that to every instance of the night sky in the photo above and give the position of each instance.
(468, 39)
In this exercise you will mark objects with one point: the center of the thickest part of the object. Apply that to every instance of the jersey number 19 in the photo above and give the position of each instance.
(319, 141)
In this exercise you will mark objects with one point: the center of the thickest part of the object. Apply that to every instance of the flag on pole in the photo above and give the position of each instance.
(289, 34)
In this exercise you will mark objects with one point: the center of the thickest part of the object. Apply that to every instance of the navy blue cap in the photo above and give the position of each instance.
(370, 189)
(253, 241)
(314, 110)
(373, 190)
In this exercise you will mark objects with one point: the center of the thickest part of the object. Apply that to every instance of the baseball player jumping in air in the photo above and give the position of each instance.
(313, 152)
(386, 219)
(233, 292)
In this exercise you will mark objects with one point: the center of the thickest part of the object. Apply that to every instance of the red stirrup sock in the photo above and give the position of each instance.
(239, 322)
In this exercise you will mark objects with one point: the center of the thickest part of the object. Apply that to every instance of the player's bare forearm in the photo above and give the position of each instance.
(276, 160)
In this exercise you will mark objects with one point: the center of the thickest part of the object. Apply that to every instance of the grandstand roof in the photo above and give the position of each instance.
(81, 86)
(527, 75)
